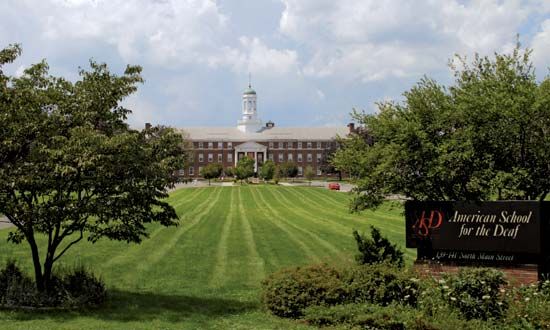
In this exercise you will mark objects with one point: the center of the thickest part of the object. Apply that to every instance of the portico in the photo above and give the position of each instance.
(254, 150)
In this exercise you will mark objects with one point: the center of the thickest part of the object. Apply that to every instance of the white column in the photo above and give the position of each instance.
(256, 161)
(235, 153)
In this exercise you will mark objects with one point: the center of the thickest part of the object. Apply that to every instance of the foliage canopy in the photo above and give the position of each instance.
(485, 137)
(70, 165)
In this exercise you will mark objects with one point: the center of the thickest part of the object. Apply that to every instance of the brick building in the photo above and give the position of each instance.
(305, 146)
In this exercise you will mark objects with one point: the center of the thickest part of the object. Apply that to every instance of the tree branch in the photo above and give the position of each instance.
(70, 244)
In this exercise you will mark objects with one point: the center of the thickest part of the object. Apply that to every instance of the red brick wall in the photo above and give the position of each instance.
(285, 150)
(516, 275)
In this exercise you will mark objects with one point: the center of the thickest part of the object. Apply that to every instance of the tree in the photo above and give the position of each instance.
(309, 173)
(351, 155)
(267, 170)
(288, 170)
(485, 137)
(212, 171)
(71, 167)
(229, 171)
(245, 168)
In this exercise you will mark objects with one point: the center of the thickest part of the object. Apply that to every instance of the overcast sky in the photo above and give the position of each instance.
(311, 61)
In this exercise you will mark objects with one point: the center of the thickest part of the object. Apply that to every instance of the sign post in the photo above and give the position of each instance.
(502, 233)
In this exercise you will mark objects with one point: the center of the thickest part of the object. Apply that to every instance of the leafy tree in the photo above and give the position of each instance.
(267, 170)
(245, 168)
(212, 171)
(71, 167)
(309, 173)
(351, 156)
(288, 170)
(328, 154)
(485, 137)
(229, 171)
(377, 249)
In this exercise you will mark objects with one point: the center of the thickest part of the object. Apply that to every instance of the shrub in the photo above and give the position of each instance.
(530, 306)
(83, 288)
(288, 292)
(381, 284)
(74, 288)
(475, 292)
(364, 316)
(377, 249)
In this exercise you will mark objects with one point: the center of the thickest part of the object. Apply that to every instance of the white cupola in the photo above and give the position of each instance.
(249, 122)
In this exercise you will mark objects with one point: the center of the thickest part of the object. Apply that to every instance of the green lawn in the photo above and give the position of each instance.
(206, 273)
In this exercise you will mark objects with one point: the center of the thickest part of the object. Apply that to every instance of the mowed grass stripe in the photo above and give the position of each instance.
(275, 218)
(307, 227)
(152, 259)
(192, 262)
(218, 276)
(274, 255)
(393, 224)
(317, 215)
(136, 254)
(255, 263)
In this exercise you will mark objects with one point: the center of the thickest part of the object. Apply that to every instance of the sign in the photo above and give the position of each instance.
(505, 232)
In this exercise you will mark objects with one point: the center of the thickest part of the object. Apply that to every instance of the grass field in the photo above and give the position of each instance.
(206, 273)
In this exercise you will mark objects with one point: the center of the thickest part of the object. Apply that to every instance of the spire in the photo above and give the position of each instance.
(249, 80)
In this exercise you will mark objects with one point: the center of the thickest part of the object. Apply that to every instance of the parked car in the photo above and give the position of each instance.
(334, 186)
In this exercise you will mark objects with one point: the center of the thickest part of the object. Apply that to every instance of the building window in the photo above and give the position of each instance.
(270, 156)
(300, 171)
(210, 158)
(299, 158)
(309, 145)
(319, 172)
(220, 158)
(201, 158)
(299, 145)
(290, 158)
(289, 145)
(191, 171)
(210, 145)
(201, 145)
(309, 158)
(220, 145)
(181, 172)
(281, 157)
(319, 156)
(318, 145)
(229, 145)
(229, 157)
(271, 145)
(280, 145)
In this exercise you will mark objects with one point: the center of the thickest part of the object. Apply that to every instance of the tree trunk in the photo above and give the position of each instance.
(39, 279)
(48, 265)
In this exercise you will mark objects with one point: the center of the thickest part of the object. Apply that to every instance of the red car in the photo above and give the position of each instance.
(334, 186)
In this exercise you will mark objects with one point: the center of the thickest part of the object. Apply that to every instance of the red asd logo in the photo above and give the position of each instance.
(427, 222)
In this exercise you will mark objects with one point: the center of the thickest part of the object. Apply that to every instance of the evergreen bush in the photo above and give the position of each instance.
(377, 249)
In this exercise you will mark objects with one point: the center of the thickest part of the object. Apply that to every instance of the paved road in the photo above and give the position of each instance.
(4, 223)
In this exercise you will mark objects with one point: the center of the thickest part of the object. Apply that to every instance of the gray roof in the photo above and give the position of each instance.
(266, 134)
